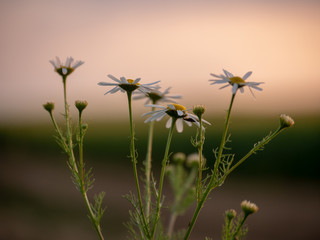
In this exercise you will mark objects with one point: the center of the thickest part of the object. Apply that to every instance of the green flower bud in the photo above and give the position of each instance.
(179, 157)
(81, 105)
(199, 110)
(194, 161)
(231, 214)
(49, 106)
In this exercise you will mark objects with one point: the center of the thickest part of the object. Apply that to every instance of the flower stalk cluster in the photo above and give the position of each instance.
(192, 178)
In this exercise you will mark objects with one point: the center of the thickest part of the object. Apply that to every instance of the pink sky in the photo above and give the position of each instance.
(177, 42)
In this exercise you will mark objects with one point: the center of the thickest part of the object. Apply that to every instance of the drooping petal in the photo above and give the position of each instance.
(179, 125)
(169, 122)
(234, 88)
(113, 90)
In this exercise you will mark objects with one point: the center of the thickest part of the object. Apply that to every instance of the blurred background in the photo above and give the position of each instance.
(180, 43)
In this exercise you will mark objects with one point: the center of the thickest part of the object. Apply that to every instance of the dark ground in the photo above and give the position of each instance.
(39, 201)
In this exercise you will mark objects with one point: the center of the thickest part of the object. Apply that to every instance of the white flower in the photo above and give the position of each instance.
(235, 81)
(176, 111)
(156, 96)
(64, 69)
(127, 85)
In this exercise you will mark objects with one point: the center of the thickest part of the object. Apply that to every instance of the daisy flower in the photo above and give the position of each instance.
(127, 85)
(176, 111)
(156, 96)
(235, 81)
(64, 69)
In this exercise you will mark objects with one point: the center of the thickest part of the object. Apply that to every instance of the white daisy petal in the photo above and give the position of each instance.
(228, 74)
(113, 90)
(234, 88)
(155, 105)
(257, 88)
(149, 84)
(171, 107)
(136, 81)
(188, 123)
(180, 113)
(225, 86)
(169, 122)
(248, 74)
(107, 84)
(114, 78)
(179, 125)
(77, 64)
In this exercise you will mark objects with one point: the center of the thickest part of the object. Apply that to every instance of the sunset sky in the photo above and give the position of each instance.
(179, 42)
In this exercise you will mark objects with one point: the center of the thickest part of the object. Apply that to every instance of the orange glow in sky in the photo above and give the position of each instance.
(177, 42)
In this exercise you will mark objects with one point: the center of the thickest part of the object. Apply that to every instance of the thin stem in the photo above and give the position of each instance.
(199, 187)
(73, 161)
(172, 222)
(68, 127)
(253, 150)
(216, 167)
(164, 164)
(134, 163)
(223, 140)
(239, 227)
(197, 211)
(148, 167)
(81, 149)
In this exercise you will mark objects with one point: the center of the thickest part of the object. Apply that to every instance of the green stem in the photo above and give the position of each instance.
(134, 164)
(164, 164)
(73, 161)
(148, 166)
(239, 227)
(68, 127)
(216, 167)
(223, 140)
(198, 208)
(253, 150)
(199, 188)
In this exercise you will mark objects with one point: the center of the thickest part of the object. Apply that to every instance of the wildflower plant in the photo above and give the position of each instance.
(192, 178)
(82, 178)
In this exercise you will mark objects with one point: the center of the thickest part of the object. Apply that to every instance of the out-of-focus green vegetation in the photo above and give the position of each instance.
(293, 153)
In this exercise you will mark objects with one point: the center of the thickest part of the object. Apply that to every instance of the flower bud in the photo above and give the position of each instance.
(248, 207)
(231, 214)
(179, 157)
(49, 106)
(81, 105)
(199, 110)
(285, 121)
(194, 161)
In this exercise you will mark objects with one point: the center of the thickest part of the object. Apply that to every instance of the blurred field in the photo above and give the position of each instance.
(38, 200)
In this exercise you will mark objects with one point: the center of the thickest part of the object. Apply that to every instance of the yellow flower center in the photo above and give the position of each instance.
(178, 107)
(131, 81)
(237, 80)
